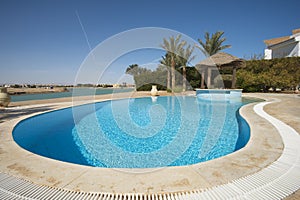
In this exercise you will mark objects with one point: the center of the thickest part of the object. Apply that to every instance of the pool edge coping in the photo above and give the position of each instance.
(193, 167)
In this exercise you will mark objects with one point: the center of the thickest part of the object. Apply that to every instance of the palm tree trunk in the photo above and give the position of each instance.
(168, 79)
(184, 79)
(173, 73)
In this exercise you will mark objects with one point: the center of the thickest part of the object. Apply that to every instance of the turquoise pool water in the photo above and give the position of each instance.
(137, 133)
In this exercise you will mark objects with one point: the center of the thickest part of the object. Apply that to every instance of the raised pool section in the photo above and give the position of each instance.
(219, 94)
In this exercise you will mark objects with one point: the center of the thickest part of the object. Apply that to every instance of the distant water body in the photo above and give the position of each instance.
(79, 92)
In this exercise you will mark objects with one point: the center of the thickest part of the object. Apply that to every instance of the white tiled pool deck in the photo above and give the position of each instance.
(267, 167)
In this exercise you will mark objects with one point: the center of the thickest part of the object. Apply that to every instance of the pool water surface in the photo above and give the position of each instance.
(137, 133)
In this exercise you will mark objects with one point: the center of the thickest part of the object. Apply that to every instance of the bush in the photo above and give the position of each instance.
(261, 75)
(169, 90)
(148, 87)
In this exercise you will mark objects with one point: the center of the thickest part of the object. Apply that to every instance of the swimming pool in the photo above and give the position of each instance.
(137, 133)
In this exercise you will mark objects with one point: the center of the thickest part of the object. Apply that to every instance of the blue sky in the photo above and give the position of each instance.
(47, 41)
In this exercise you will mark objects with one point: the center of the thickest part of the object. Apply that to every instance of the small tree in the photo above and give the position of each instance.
(132, 69)
(136, 72)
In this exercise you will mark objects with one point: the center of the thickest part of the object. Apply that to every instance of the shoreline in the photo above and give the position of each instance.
(83, 98)
(34, 94)
(25, 91)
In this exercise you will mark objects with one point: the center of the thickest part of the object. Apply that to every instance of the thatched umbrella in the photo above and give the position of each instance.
(216, 62)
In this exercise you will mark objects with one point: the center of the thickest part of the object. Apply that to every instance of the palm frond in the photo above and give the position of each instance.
(213, 43)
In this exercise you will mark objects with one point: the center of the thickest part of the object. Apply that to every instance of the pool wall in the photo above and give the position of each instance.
(244, 132)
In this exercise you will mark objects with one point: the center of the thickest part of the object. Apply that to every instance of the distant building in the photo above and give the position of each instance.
(287, 46)
(116, 85)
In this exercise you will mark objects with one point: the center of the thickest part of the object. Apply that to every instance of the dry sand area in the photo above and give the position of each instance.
(15, 91)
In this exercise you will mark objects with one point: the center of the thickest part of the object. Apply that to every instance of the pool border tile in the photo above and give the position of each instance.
(171, 179)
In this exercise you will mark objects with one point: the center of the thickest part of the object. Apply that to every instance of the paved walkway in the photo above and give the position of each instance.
(259, 153)
(288, 111)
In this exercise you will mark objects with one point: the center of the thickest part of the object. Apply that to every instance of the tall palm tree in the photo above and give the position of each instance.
(173, 46)
(213, 44)
(165, 63)
(185, 58)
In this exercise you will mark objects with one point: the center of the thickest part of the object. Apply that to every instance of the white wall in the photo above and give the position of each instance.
(297, 38)
(268, 54)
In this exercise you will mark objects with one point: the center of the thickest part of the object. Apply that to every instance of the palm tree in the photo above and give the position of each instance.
(185, 58)
(213, 44)
(173, 46)
(165, 64)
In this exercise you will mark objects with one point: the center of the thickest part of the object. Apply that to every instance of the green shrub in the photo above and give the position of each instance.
(169, 90)
(260, 75)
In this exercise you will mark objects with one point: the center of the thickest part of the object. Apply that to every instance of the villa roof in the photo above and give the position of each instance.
(295, 31)
(278, 40)
(221, 59)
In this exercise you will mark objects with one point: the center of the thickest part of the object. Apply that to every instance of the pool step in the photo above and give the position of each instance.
(277, 181)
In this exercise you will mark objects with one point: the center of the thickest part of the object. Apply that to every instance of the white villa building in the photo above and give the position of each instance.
(287, 46)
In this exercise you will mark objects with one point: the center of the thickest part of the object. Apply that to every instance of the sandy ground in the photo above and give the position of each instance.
(16, 91)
